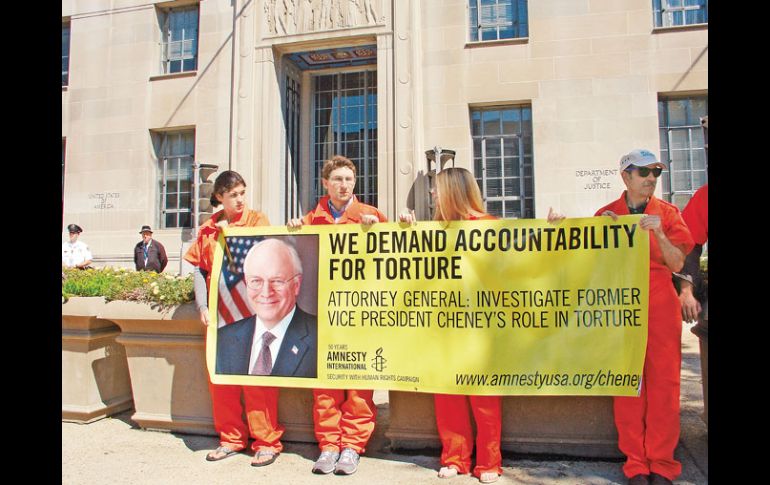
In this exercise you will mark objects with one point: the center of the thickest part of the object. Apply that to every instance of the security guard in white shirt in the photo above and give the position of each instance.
(74, 253)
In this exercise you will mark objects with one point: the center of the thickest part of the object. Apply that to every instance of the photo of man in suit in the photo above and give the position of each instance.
(281, 339)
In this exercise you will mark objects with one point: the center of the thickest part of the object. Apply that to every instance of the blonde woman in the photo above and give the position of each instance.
(457, 197)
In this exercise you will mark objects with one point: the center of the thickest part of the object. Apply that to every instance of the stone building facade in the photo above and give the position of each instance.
(539, 99)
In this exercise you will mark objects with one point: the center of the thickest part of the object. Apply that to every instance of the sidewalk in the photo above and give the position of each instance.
(114, 451)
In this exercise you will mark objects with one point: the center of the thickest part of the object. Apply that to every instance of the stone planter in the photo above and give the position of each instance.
(564, 425)
(167, 361)
(94, 374)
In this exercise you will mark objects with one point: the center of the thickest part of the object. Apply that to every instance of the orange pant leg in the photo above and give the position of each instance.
(228, 416)
(262, 415)
(664, 353)
(358, 419)
(648, 425)
(629, 420)
(327, 416)
(487, 411)
(454, 428)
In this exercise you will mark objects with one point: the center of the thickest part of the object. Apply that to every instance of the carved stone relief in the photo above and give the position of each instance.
(288, 17)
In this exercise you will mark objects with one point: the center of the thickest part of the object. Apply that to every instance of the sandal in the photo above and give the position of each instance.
(272, 455)
(447, 472)
(220, 454)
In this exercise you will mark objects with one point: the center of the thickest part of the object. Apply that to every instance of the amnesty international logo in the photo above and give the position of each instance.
(379, 361)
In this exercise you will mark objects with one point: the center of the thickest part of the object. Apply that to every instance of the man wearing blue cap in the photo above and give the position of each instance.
(648, 425)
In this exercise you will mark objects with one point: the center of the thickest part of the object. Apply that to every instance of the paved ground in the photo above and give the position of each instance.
(114, 451)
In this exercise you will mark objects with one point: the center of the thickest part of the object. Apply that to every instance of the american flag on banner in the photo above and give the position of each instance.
(233, 300)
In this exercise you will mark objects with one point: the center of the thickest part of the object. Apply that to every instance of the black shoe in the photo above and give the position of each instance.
(656, 479)
(639, 480)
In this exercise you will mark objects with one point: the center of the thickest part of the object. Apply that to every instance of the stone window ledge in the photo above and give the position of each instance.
(174, 75)
(484, 43)
(679, 28)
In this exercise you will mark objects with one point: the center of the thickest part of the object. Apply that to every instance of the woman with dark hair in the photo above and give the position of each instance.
(457, 197)
(261, 403)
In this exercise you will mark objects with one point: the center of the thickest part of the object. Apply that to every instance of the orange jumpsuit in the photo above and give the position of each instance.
(261, 403)
(648, 425)
(343, 418)
(454, 426)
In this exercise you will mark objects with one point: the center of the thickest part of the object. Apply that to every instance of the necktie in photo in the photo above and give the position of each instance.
(264, 364)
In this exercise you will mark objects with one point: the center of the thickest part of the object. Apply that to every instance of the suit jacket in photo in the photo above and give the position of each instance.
(234, 347)
(156, 257)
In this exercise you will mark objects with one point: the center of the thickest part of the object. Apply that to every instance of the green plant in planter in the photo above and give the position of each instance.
(123, 284)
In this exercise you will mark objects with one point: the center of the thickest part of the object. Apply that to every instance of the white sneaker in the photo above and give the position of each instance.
(348, 462)
(325, 462)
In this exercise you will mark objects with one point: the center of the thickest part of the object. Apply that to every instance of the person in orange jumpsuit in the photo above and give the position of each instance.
(693, 289)
(457, 197)
(696, 216)
(261, 403)
(648, 425)
(343, 419)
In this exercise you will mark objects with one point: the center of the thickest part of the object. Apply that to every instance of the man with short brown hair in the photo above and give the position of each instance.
(343, 419)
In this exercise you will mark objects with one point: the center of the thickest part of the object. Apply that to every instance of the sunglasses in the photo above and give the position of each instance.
(644, 171)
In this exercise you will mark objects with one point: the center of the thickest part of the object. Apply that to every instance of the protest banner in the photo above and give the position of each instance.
(504, 307)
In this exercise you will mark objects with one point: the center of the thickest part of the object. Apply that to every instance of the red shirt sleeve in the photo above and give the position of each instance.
(193, 254)
(696, 215)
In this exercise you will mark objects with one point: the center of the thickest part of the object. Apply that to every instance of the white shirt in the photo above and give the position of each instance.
(279, 331)
(73, 254)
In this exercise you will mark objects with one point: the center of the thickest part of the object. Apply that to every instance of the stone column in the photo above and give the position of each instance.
(406, 96)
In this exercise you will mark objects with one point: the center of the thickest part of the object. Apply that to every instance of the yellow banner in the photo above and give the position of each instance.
(505, 307)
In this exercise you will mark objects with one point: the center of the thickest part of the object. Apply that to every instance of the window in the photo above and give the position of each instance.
(345, 123)
(65, 53)
(497, 19)
(503, 161)
(176, 152)
(683, 145)
(670, 13)
(179, 49)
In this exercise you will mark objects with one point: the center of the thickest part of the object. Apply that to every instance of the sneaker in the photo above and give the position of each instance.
(348, 462)
(325, 463)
